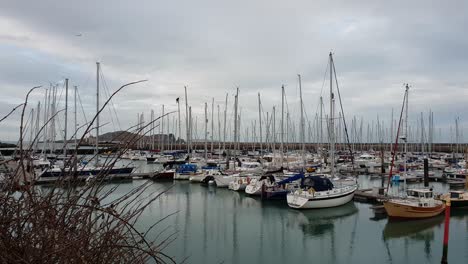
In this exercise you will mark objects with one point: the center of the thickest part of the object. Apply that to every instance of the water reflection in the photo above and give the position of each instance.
(222, 226)
(419, 230)
(319, 222)
(205, 224)
(322, 224)
(187, 209)
(416, 230)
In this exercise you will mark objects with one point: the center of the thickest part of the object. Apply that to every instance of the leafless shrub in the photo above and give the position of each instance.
(79, 224)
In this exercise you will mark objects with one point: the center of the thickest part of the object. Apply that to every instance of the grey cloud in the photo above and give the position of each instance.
(214, 46)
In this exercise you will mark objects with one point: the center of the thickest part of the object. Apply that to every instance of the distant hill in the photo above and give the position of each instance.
(120, 136)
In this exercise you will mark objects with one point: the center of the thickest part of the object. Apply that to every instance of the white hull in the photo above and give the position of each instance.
(181, 176)
(255, 189)
(305, 200)
(236, 186)
(197, 177)
(223, 181)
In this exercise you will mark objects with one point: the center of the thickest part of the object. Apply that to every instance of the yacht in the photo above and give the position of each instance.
(320, 192)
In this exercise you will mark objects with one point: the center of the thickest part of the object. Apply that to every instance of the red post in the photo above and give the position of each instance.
(446, 231)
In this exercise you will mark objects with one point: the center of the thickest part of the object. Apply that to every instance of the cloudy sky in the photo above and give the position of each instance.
(215, 46)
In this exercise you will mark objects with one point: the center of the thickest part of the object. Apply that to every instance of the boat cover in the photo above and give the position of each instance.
(318, 183)
(187, 168)
(291, 179)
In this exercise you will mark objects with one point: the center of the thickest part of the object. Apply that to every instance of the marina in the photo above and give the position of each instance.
(307, 191)
(244, 132)
(215, 224)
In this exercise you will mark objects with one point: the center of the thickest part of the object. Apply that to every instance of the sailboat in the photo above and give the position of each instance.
(419, 203)
(319, 191)
(256, 186)
(281, 189)
(86, 170)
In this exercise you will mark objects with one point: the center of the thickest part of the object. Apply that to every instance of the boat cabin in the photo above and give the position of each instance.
(456, 195)
(318, 183)
(420, 193)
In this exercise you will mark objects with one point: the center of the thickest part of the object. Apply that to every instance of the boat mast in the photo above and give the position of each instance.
(178, 113)
(38, 116)
(317, 131)
(142, 126)
(235, 124)
(74, 116)
(162, 130)
(75, 158)
(54, 109)
(169, 130)
(66, 120)
(49, 116)
(239, 130)
(174, 142)
(138, 142)
(187, 122)
(219, 136)
(96, 150)
(212, 124)
(287, 133)
(282, 125)
(395, 147)
(267, 132)
(152, 128)
(406, 133)
(260, 123)
(30, 127)
(332, 123)
(391, 132)
(206, 132)
(44, 133)
(456, 137)
(274, 129)
(321, 127)
(302, 124)
(422, 134)
(431, 133)
(224, 126)
(190, 133)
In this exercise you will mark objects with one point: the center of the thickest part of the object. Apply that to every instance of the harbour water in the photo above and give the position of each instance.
(221, 226)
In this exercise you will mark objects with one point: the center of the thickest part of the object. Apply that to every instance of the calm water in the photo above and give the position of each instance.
(221, 226)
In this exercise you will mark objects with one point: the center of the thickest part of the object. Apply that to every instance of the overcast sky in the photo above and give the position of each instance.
(215, 46)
